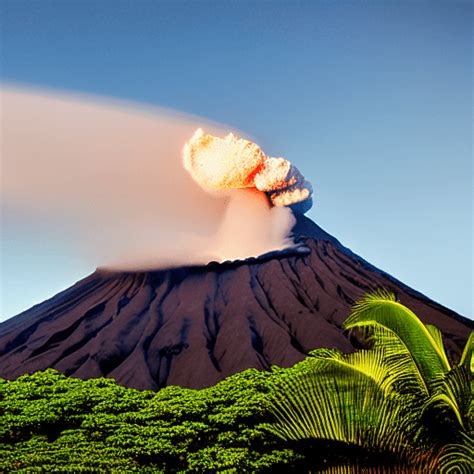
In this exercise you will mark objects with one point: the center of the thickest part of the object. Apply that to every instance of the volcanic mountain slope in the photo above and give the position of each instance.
(194, 326)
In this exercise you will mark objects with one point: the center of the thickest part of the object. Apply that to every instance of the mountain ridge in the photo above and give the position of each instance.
(193, 326)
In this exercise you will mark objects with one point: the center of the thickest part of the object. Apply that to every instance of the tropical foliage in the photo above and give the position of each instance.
(399, 405)
(53, 423)
(401, 400)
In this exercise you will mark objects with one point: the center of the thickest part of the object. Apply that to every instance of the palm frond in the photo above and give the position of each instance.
(452, 398)
(381, 307)
(467, 359)
(438, 338)
(399, 397)
(398, 360)
(345, 399)
(443, 405)
(367, 362)
(458, 457)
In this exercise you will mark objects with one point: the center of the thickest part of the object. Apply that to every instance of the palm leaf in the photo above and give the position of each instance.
(345, 399)
(466, 359)
(399, 361)
(442, 404)
(458, 457)
(438, 338)
(452, 398)
(382, 308)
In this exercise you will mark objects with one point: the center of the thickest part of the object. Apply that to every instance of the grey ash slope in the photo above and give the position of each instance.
(194, 326)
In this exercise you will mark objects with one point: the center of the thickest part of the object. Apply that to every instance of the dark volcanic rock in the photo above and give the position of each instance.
(194, 326)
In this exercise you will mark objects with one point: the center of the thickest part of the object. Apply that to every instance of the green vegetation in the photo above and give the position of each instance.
(401, 400)
(400, 405)
(50, 422)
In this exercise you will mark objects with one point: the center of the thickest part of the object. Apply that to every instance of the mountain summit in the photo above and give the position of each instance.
(194, 326)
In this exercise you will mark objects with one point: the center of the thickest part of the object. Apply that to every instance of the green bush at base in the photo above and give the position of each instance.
(53, 423)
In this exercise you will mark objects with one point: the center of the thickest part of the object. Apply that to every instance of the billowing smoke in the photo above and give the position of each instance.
(233, 163)
(109, 175)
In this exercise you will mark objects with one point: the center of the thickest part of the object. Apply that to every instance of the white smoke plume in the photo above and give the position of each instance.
(110, 174)
(235, 163)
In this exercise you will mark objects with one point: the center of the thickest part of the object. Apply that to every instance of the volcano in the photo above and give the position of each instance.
(193, 326)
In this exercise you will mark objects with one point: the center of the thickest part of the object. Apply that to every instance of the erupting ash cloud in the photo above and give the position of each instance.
(110, 176)
(233, 163)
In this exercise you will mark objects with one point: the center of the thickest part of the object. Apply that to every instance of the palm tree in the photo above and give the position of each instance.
(401, 398)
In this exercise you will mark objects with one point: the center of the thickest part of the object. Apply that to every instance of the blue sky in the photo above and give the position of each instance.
(371, 100)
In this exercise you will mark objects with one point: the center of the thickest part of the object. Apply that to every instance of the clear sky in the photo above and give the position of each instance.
(372, 100)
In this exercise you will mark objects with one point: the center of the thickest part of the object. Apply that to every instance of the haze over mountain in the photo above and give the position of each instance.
(195, 325)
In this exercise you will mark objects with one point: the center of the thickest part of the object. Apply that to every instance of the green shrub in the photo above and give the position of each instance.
(53, 423)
